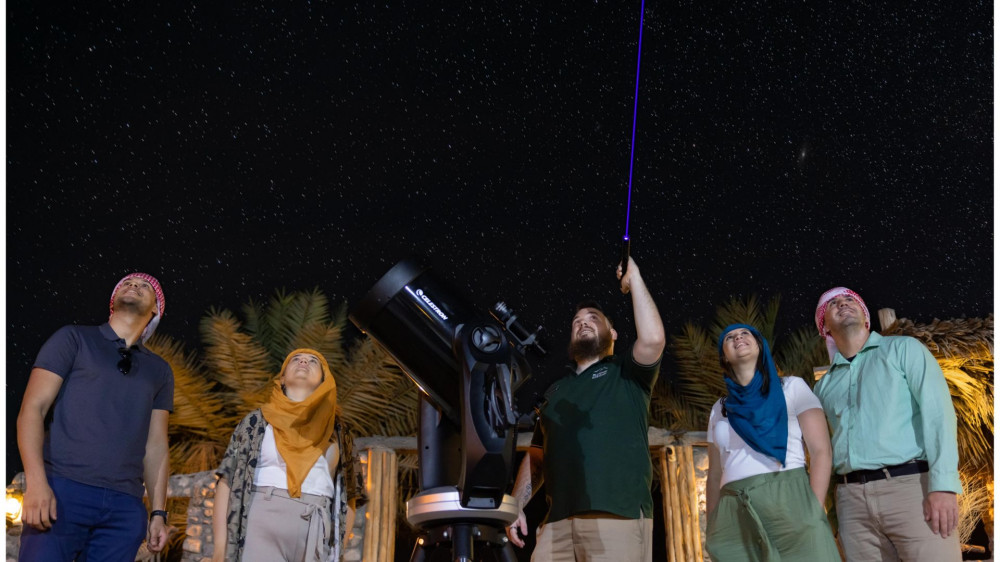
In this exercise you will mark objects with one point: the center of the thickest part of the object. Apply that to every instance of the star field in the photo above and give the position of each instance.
(234, 148)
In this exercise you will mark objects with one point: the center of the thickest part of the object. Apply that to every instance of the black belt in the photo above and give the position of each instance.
(863, 476)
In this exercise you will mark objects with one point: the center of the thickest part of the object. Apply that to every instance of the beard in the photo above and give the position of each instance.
(597, 347)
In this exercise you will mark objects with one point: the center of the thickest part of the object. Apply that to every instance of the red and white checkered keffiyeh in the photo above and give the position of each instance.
(160, 302)
(828, 296)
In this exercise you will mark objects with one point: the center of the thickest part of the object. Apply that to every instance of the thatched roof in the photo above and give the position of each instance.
(959, 337)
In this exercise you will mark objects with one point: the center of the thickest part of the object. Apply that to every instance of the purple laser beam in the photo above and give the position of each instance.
(635, 111)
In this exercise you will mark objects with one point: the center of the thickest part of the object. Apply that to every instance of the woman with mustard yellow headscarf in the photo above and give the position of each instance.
(286, 485)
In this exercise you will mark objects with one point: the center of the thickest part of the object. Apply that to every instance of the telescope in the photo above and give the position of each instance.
(469, 367)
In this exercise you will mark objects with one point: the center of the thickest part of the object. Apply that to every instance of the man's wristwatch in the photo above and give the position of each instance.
(159, 512)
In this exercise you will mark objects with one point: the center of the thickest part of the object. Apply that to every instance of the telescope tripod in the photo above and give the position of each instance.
(462, 537)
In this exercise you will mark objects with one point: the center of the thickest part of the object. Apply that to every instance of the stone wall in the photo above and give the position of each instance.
(200, 488)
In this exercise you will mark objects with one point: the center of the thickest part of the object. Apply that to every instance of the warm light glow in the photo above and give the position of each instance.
(14, 509)
(989, 512)
(701, 485)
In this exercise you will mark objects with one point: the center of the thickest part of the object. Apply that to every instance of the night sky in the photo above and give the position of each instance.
(233, 148)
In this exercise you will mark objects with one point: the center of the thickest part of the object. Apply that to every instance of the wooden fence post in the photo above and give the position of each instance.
(886, 317)
(680, 504)
(380, 518)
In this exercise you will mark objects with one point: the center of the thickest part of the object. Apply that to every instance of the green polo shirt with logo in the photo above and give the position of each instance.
(594, 434)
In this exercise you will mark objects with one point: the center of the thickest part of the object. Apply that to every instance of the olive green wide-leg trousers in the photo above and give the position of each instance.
(770, 518)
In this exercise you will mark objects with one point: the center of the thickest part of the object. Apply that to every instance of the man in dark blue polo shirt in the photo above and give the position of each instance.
(592, 435)
(107, 399)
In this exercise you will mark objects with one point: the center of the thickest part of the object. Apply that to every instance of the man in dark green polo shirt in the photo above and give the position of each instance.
(591, 444)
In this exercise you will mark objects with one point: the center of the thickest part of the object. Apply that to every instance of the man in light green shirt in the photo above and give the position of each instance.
(895, 451)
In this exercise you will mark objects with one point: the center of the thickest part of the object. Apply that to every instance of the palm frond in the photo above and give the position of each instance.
(769, 319)
(263, 323)
(253, 320)
(324, 337)
(305, 309)
(800, 353)
(697, 384)
(974, 505)
(197, 407)
(973, 400)
(376, 398)
(195, 454)
(236, 360)
(735, 311)
(285, 317)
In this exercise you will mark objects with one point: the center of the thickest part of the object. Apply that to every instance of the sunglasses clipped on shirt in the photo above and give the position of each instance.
(125, 364)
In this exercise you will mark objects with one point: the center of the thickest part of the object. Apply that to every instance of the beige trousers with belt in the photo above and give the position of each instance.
(282, 528)
(884, 521)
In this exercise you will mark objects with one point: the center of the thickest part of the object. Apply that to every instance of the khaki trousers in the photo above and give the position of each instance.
(883, 521)
(282, 528)
(595, 538)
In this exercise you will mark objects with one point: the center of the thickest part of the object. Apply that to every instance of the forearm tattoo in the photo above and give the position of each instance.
(529, 479)
(532, 485)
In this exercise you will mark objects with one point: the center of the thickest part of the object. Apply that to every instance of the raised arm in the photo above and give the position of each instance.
(156, 474)
(649, 335)
(39, 501)
(529, 479)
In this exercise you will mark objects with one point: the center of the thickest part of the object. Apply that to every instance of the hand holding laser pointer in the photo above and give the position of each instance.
(626, 250)
(630, 272)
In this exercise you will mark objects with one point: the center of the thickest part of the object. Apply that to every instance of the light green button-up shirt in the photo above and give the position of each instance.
(888, 406)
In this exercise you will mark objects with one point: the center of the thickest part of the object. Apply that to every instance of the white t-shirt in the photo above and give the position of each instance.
(271, 470)
(739, 460)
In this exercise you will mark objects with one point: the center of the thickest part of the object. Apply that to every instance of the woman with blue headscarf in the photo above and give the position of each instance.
(762, 504)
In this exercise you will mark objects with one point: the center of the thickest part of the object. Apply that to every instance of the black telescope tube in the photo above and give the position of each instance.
(415, 318)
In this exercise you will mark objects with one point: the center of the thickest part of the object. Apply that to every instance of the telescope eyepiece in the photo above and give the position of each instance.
(501, 312)
(521, 335)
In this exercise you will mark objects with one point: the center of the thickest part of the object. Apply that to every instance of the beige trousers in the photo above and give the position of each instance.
(883, 521)
(285, 529)
(604, 538)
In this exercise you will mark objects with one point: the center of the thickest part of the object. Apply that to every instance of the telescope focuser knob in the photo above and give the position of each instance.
(487, 339)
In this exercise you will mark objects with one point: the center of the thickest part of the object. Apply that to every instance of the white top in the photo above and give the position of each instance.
(270, 470)
(739, 460)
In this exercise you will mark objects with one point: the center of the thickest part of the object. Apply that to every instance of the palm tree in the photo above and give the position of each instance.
(240, 359)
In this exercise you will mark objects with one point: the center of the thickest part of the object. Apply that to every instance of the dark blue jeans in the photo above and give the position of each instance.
(92, 524)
